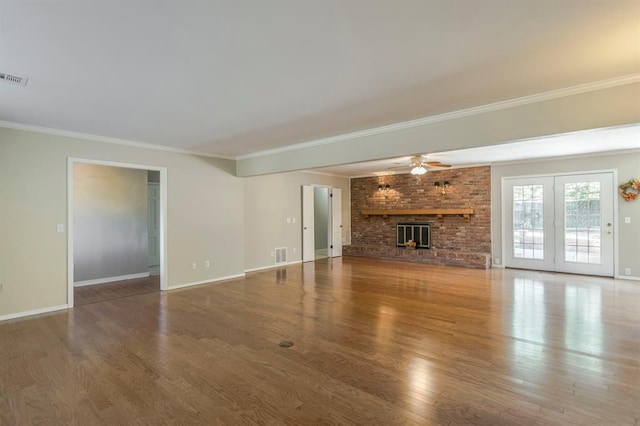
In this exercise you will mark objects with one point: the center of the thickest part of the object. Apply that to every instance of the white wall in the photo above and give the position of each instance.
(110, 222)
(627, 165)
(269, 200)
(205, 215)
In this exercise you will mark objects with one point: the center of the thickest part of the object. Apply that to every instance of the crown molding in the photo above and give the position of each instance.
(631, 151)
(105, 139)
(512, 103)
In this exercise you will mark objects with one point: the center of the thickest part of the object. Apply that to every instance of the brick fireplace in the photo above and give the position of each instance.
(456, 239)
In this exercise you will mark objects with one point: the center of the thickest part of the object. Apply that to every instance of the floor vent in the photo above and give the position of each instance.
(281, 255)
(20, 81)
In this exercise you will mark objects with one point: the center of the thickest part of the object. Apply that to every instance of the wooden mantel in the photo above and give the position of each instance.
(427, 212)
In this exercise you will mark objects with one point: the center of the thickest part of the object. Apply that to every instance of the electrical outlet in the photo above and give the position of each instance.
(207, 264)
(194, 265)
(271, 254)
(627, 271)
(288, 220)
(496, 261)
(627, 219)
(293, 220)
(294, 249)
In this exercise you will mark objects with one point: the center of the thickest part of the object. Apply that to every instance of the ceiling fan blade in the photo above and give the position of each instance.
(437, 164)
(399, 167)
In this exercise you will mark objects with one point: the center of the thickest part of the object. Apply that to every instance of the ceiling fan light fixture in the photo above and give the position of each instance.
(418, 170)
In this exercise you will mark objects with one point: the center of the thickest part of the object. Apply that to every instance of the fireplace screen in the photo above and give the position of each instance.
(418, 232)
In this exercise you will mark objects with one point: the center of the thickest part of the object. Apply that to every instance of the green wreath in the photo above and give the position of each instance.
(630, 189)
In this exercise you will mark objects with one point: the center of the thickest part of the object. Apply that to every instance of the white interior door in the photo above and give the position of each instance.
(153, 223)
(336, 222)
(308, 229)
(584, 224)
(560, 223)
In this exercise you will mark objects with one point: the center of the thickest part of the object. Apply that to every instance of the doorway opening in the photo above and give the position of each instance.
(321, 222)
(116, 230)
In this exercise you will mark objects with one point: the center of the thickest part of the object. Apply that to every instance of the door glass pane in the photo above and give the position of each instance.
(528, 224)
(582, 230)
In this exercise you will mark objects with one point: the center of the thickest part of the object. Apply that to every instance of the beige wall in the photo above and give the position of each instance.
(269, 200)
(627, 165)
(205, 215)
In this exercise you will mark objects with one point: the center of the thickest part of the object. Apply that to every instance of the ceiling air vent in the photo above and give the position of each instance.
(20, 81)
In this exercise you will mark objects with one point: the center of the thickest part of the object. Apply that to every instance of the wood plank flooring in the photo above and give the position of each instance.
(115, 290)
(375, 342)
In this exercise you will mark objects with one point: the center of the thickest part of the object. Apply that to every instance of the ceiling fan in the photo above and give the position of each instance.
(419, 165)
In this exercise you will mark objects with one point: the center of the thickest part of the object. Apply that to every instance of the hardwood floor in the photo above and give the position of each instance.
(115, 290)
(375, 342)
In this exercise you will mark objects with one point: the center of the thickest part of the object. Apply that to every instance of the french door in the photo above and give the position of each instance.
(560, 223)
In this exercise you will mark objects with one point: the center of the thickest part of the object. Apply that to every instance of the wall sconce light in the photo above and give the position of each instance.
(444, 186)
(386, 187)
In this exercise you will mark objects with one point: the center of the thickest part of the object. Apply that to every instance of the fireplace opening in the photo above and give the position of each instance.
(420, 233)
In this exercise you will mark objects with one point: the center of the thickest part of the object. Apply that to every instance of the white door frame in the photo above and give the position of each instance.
(71, 161)
(581, 172)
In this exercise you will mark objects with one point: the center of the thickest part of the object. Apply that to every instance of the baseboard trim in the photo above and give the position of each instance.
(497, 266)
(34, 312)
(279, 265)
(209, 281)
(626, 277)
(111, 279)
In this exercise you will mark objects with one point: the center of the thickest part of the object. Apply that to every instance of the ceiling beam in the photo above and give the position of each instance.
(594, 107)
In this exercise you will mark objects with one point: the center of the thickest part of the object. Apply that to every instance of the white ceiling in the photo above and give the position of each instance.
(234, 77)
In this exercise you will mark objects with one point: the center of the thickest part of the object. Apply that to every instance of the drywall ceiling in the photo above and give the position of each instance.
(232, 78)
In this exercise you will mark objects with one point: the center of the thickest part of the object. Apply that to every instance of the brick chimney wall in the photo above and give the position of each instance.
(469, 188)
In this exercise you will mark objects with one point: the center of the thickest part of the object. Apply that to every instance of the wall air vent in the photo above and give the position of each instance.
(281, 255)
(20, 81)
